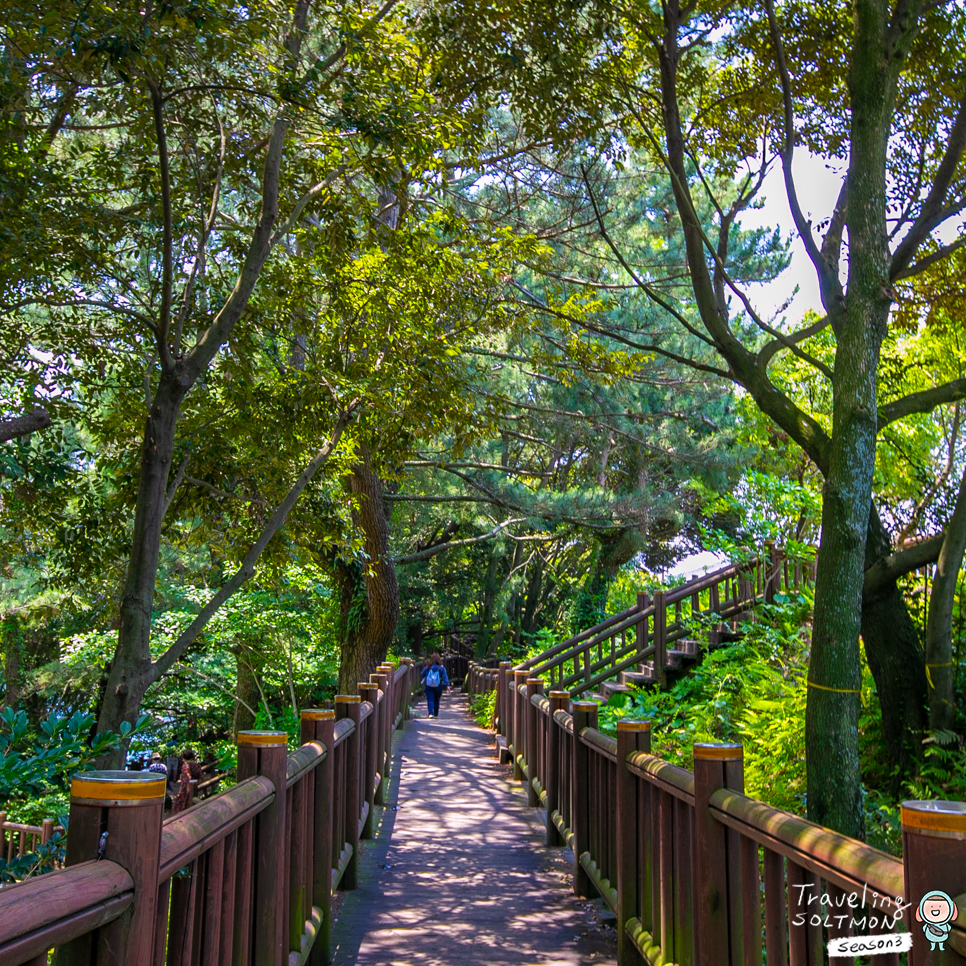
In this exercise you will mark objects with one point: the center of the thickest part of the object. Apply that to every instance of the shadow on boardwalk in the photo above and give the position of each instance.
(458, 874)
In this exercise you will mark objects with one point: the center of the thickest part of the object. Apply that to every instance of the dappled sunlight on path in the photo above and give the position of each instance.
(458, 874)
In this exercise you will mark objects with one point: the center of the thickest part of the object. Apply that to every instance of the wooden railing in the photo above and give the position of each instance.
(18, 839)
(637, 646)
(243, 878)
(698, 873)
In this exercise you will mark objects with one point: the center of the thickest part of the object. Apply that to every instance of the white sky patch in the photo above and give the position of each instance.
(818, 188)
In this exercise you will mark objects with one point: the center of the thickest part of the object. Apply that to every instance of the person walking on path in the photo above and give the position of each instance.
(435, 678)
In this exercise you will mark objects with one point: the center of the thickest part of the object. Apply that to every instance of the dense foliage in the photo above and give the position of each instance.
(332, 329)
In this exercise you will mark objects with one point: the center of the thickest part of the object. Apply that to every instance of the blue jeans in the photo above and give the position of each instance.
(432, 700)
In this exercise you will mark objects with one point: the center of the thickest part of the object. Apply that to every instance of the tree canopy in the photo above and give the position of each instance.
(329, 330)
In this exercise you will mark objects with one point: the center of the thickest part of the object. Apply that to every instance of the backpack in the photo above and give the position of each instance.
(432, 677)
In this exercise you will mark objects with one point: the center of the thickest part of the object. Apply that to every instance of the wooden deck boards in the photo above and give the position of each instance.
(458, 874)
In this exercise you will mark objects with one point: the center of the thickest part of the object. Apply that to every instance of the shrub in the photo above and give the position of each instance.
(483, 708)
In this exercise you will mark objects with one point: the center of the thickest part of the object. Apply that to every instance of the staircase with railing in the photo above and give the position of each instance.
(645, 643)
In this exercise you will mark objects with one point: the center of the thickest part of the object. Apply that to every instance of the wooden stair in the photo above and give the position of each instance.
(619, 653)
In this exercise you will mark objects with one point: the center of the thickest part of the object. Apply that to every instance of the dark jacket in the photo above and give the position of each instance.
(443, 676)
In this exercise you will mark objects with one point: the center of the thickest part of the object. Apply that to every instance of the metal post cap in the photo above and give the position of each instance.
(559, 694)
(263, 738)
(115, 787)
(584, 705)
(627, 725)
(534, 680)
(347, 699)
(317, 714)
(722, 751)
(936, 818)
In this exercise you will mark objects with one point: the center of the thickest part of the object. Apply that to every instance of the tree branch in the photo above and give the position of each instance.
(18, 426)
(886, 570)
(208, 344)
(167, 269)
(922, 402)
(247, 568)
(770, 349)
(300, 205)
(452, 544)
(933, 208)
(175, 483)
(831, 289)
(931, 259)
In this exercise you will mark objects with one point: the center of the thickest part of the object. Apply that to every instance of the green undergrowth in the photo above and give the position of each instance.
(483, 708)
(753, 692)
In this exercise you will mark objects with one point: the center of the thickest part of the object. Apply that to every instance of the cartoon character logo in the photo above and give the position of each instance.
(936, 912)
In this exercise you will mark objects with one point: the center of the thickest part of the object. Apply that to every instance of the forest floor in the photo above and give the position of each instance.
(457, 873)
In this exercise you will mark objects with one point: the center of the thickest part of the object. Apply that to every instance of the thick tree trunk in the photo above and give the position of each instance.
(131, 671)
(894, 653)
(939, 625)
(835, 676)
(366, 641)
(615, 550)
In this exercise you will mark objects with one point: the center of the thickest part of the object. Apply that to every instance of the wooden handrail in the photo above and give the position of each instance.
(303, 760)
(851, 865)
(61, 906)
(186, 835)
(256, 863)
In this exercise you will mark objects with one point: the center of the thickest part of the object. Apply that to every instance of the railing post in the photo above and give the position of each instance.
(370, 692)
(715, 905)
(501, 674)
(558, 702)
(127, 808)
(534, 686)
(660, 637)
(349, 706)
(519, 723)
(406, 698)
(631, 736)
(643, 602)
(776, 567)
(585, 716)
(266, 753)
(389, 671)
(381, 680)
(934, 859)
(317, 725)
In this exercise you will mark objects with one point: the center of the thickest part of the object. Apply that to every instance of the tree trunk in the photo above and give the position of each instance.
(530, 606)
(939, 625)
(246, 690)
(131, 671)
(894, 653)
(366, 640)
(485, 632)
(834, 673)
(615, 550)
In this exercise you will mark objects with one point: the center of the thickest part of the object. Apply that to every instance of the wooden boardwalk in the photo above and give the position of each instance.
(456, 875)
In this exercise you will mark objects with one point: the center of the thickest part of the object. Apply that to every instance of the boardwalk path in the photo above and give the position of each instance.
(457, 875)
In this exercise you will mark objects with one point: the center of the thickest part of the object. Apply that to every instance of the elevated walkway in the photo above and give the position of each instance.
(457, 874)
